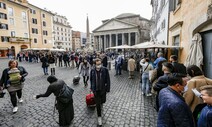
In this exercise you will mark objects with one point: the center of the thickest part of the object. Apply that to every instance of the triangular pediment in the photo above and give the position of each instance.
(114, 24)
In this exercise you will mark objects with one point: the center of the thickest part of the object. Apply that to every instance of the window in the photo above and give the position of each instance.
(44, 23)
(10, 11)
(61, 29)
(35, 40)
(4, 39)
(12, 21)
(45, 41)
(12, 33)
(23, 15)
(25, 24)
(163, 24)
(34, 12)
(61, 20)
(2, 5)
(58, 38)
(26, 35)
(34, 21)
(176, 4)
(3, 16)
(3, 26)
(45, 32)
(176, 42)
(43, 15)
(34, 30)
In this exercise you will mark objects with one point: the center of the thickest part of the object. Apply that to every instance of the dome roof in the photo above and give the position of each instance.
(125, 15)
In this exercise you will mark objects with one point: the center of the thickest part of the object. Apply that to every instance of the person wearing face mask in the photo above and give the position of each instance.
(173, 111)
(100, 85)
(197, 80)
(84, 71)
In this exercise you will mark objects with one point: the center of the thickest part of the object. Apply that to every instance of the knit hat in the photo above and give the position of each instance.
(51, 79)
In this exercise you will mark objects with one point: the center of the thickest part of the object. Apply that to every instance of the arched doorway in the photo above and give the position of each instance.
(24, 47)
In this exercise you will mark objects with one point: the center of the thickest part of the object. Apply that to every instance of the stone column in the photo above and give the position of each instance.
(129, 39)
(105, 43)
(122, 39)
(136, 38)
(116, 39)
(110, 41)
(100, 43)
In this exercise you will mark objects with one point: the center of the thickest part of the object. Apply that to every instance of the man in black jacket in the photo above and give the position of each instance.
(100, 84)
(179, 68)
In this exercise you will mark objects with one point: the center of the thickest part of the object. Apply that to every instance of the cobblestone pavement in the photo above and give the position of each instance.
(125, 106)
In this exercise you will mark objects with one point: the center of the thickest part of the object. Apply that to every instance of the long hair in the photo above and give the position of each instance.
(194, 70)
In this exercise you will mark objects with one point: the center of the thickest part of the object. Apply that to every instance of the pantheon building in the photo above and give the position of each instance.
(126, 28)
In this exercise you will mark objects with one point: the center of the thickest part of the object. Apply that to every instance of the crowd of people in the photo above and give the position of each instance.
(183, 95)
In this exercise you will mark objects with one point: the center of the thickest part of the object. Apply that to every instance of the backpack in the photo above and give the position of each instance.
(65, 95)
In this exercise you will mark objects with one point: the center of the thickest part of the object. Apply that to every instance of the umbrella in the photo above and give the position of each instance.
(121, 47)
(195, 55)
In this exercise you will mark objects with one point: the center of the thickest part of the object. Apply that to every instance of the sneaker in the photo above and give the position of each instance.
(15, 109)
(20, 100)
(100, 121)
(142, 93)
(148, 95)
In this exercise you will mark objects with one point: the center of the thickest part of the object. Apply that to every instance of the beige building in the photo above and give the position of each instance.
(76, 40)
(14, 29)
(40, 27)
(186, 19)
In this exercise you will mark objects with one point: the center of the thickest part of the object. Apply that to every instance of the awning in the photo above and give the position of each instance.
(147, 45)
(121, 47)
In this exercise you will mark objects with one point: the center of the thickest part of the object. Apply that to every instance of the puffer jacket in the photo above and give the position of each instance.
(173, 111)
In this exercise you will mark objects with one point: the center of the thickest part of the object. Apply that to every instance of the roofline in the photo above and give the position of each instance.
(17, 3)
(41, 9)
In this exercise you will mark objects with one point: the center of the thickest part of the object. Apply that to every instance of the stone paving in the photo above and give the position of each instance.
(125, 106)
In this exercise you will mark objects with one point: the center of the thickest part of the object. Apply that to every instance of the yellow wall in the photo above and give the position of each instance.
(49, 27)
(18, 26)
(193, 14)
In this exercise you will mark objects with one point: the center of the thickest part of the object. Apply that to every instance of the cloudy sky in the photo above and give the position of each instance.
(97, 10)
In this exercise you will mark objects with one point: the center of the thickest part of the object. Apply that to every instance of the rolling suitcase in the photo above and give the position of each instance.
(76, 80)
(90, 101)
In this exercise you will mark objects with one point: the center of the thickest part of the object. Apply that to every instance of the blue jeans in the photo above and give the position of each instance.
(118, 69)
(45, 70)
(145, 83)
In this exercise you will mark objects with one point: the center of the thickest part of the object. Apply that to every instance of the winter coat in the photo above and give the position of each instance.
(205, 119)
(104, 80)
(196, 82)
(173, 111)
(5, 78)
(84, 70)
(131, 65)
(44, 61)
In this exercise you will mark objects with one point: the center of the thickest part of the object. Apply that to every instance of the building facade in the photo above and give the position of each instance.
(62, 33)
(186, 19)
(126, 28)
(76, 40)
(14, 27)
(160, 18)
(40, 27)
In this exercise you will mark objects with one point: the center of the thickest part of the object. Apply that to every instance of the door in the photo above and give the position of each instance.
(207, 53)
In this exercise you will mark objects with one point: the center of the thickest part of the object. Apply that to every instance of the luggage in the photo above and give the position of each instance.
(90, 101)
(76, 80)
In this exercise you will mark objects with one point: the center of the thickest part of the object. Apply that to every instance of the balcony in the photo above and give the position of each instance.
(19, 40)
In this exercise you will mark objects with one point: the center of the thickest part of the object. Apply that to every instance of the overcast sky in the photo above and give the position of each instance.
(97, 10)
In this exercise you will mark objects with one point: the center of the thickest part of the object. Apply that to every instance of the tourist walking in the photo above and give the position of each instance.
(100, 85)
(51, 61)
(173, 111)
(13, 80)
(65, 109)
(131, 67)
(45, 64)
(84, 70)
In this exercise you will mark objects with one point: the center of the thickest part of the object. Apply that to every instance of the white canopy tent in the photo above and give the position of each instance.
(121, 47)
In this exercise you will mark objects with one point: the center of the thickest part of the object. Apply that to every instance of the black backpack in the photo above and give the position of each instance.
(65, 95)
